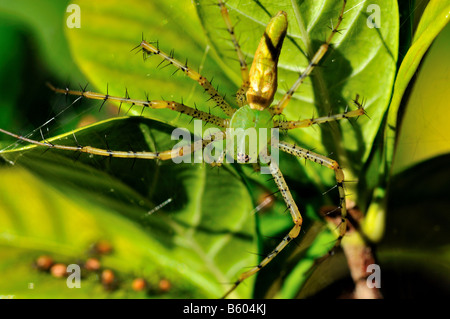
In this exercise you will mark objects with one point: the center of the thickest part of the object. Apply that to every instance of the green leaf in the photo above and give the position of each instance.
(362, 61)
(415, 253)
(351, 67)
(110, 30)
(101, 47)
(36, 51)
(433, 20)
(9, 60)
(424, 132)
(196, 241)
(45, 20)
(113, 30)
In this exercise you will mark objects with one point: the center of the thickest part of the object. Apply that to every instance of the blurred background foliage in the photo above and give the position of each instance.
(62, 205)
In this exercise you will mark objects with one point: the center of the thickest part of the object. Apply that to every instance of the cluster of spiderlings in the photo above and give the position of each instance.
(107, 277)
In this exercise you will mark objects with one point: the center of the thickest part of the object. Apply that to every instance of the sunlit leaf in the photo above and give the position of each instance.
(434, 19)
(110, 30)
(202, 237)
(424, 132)
(73, 202)
(351, 67)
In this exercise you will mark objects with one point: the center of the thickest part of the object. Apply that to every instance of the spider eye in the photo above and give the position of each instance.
(243, 158)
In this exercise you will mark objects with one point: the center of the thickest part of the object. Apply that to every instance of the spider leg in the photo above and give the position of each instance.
(339, 173)
(150, 49)
(154, 104)
(219, 161)
(293, 233)
(163, 155)
(278, 109)
(289, 125)
(240, 95)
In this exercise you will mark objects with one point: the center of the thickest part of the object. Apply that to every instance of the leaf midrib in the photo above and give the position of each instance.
(189, 237)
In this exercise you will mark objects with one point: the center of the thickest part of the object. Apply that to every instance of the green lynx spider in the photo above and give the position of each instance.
(254, 98)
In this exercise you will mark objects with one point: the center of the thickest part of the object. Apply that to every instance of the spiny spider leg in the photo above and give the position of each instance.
(219, 161)
(292, 206)
(154, 104)
(293, 233)
(289, 125)
(163, 155)
(240, 95)
(339, 173)
(278, 109)
(150, 49)
(262, 75)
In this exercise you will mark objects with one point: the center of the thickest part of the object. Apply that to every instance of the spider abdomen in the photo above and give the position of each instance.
(263, 73)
